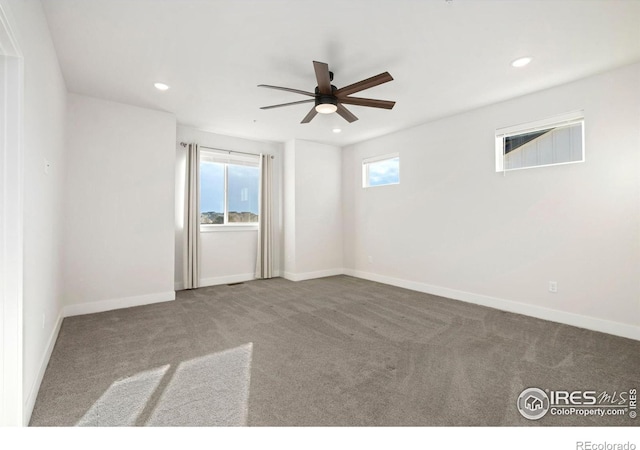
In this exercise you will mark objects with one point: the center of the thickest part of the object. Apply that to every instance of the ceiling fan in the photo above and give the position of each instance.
(329, 99)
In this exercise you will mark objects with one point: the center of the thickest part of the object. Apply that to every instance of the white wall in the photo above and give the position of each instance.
(314, 171)
(455, 227)
(119, 205)
(226, 256)
(44, 128)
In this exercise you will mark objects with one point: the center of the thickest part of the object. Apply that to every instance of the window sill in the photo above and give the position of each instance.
(380, 185)
(226, 228)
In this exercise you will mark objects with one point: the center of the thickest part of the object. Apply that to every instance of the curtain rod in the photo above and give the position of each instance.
(184, 144)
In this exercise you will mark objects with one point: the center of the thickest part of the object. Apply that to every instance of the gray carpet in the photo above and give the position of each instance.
(335, 351)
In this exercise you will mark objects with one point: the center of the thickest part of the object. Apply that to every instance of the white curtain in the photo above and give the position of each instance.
(264, 263)
(191, 261)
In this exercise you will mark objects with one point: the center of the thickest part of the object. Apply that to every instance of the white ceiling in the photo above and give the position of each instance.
(445, 56)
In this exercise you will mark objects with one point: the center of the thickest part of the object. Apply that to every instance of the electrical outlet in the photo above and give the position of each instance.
(47, 167)
(553, 286)
(370, 259)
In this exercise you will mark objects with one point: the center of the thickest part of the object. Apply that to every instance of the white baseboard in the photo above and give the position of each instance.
(179, 285)
(576, 320)
(311, 275)
(117, 303)
(30, 401)
(215, 281)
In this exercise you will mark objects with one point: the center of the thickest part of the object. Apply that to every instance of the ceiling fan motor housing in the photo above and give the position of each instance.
(322, 99)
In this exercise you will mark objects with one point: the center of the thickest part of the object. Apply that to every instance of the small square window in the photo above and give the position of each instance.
(381, 170)
(554, 141)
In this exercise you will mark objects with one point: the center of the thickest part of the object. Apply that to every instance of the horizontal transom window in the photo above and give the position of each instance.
(553, 141)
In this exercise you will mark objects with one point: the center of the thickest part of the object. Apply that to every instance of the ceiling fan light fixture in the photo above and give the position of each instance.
(326, 104)
(326, 108)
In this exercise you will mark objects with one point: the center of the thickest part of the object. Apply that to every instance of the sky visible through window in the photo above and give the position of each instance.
(211, 187)
(243, 188)
(242, 184)
(384, 172)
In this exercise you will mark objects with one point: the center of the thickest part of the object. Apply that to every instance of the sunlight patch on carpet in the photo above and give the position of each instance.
(212, 390)
(124, 401)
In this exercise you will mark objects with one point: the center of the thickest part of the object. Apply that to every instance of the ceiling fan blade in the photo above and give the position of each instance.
(385, 104)
(364, 84)
(346, 114)
(297, 91)
(287, 104)
(310, 116)
(323, 77)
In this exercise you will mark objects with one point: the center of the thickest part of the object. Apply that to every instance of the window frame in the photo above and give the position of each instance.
(226, 159)
(562, 120)
(374, 159)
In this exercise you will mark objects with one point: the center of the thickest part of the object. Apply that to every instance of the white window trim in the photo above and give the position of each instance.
(566, 119)
(226, 158)
(209, 227)
(373, 159)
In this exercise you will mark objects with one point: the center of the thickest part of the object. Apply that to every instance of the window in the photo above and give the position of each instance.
(228, 189)
(381, 170)
(558, 140)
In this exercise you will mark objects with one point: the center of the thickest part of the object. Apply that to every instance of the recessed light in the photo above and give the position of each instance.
(161, 86)
(521, 62)
(336, 130)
